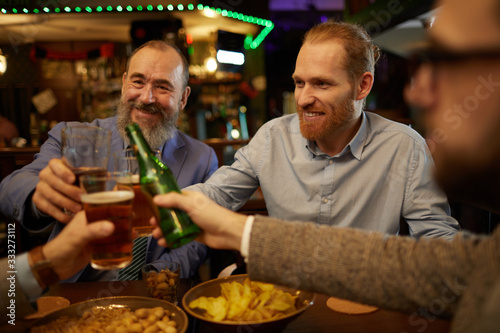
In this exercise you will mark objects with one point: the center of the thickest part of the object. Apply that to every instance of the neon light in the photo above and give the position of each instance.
(250, 42)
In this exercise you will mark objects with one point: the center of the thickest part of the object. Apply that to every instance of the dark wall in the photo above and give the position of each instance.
(17, 85)
(282, 46)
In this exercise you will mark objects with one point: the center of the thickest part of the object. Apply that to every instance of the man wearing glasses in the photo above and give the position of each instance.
(458, 86)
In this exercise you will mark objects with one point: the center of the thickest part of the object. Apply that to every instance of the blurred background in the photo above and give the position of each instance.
(66, 62)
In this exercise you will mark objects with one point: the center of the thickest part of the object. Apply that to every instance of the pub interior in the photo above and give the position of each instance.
(66, 64)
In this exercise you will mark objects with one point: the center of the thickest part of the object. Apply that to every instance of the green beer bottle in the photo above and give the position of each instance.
(156, 178)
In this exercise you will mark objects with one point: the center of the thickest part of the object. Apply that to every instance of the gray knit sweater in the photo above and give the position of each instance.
(457, 279)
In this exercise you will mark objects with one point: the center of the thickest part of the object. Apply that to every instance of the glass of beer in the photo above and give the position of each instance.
(125, 161)
(85, 149)
(110, 197)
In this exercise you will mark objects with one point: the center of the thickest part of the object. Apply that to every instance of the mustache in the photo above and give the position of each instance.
(148, 108)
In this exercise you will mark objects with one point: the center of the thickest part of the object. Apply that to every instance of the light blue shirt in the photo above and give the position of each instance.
(382, 175)
(26, 279)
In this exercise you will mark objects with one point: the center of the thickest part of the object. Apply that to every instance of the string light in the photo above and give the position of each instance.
(250, 42)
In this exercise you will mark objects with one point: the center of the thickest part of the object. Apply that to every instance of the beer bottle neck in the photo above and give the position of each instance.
(145, 156)
(137, 141)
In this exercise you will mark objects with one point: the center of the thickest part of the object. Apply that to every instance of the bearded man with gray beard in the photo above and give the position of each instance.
(154, 90)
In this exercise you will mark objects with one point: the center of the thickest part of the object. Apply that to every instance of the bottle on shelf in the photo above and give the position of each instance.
(34, 130)
(157, 178)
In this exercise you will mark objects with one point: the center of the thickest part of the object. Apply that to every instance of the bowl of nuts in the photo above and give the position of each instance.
(119, 314)
(162, 280)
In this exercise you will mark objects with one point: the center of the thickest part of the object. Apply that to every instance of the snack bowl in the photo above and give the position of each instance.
(162, 280)
(212, 288)
(77, 310)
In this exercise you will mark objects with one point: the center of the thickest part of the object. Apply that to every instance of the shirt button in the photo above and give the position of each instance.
(325, 200)
(330, 162)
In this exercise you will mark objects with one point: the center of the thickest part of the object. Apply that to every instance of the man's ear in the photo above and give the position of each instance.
(364, 86)
(184, 97)
(124, 78)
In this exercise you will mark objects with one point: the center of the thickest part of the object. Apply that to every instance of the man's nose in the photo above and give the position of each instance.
(420, 91)
(304, 96)
(147, 95)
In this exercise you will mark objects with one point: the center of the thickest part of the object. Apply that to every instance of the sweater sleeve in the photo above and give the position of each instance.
(392, 272)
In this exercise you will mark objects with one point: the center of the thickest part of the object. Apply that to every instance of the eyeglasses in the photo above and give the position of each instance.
(435, 54)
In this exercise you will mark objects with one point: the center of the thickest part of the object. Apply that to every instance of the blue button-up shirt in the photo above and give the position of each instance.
(382, 175)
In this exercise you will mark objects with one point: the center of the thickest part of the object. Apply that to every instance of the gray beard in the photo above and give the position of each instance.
(156, 133)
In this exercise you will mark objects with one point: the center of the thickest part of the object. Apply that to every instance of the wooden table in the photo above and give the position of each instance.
(319, 318)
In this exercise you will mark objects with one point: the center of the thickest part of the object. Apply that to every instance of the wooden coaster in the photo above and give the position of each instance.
(48, 304)
(349, 307)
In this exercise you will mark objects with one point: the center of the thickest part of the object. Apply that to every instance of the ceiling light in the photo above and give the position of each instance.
(230, 57)
(211, 65)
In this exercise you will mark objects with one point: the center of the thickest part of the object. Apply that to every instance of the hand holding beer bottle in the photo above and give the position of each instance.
(156, 178)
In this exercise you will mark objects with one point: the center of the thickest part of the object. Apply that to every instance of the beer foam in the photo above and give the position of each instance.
(107, 197)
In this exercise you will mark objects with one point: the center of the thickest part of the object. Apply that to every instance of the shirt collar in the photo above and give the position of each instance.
(355, 146)
(358, 142)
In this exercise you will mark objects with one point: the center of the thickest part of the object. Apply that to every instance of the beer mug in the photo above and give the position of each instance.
(125, 161)
(85, 149)
(110, 197)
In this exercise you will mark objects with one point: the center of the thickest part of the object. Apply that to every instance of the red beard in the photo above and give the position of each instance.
(333, 120)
